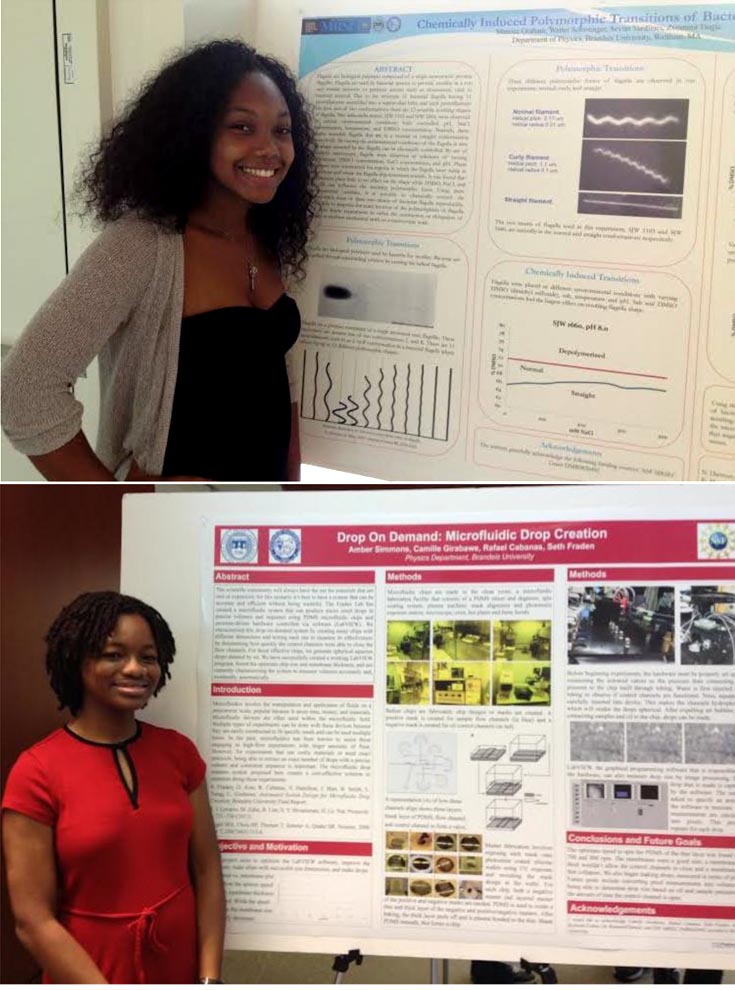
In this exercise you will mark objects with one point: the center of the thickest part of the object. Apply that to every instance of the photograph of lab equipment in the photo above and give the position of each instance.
(654, 742)
(445, 864)
(470, 843)
(408, 640)
(521, 682)
(707, 625)
(620, 804)
(613, 625)
(505, 816)
(522, 639)
(407, 683)
(445, 889)
(421, 864)
(460, 640)
(419, 888)
(396, 840)
(470, 890)
(446, 841)
(527, 748)
(708, 743)
(458, 683)
(470, 864)
(599, 742)
(421, 841)
(396, 887)
(372, 295)
(487, 754)
(503, 780)
(396, 862)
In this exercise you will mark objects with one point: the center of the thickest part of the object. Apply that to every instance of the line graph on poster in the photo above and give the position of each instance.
(586, 380)
(359, 391)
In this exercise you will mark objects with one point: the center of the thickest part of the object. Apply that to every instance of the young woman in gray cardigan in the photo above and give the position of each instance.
(205, 187)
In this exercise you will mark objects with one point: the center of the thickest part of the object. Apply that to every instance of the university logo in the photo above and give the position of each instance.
(238, 546)
(284, 546)
(716, 541)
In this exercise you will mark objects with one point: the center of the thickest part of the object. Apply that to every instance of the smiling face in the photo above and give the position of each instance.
(126, 672)
(252, 148)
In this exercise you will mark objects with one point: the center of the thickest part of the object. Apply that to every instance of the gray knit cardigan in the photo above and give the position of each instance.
(123, 302)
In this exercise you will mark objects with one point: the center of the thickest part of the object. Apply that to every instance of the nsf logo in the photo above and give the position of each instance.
(238, 546)
(716, 541)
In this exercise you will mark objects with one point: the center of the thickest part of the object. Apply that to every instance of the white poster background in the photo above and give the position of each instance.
(167, 555)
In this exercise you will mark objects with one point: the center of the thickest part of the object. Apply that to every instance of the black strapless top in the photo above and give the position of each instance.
(231, 416)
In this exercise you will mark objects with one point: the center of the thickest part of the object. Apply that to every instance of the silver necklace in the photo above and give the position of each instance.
(227, 236)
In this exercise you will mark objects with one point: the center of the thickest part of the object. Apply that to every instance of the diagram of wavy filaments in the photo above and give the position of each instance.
(639, 166)
(635, 121)
(410, 398)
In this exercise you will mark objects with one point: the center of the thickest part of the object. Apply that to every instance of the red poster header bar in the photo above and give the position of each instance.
(480, 576)
(246, 545)
(287, 847)
(646, 910)
(651, 840)
(229, 690)
(632, 575)
(294, 577)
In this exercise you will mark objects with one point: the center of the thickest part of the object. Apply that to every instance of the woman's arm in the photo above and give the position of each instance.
(293, 462)
(31, 869)
(75, 461)
(40, 412)
(206, 873)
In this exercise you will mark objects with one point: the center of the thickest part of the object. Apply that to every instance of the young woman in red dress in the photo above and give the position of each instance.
(112, 858)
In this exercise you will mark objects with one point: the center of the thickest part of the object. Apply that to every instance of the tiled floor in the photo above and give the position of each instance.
(304, 968)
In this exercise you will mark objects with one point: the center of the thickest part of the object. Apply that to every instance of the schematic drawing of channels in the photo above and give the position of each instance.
(409, 398)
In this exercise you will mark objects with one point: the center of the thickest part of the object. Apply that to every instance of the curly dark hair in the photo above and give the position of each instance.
(81, 629)
(155, 160)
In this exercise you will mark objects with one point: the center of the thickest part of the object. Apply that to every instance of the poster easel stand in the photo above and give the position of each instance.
(439, 967)
(544, 972)
(342, 963)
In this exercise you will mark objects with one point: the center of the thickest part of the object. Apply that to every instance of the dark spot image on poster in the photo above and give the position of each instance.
(634, 158)
(658, 120)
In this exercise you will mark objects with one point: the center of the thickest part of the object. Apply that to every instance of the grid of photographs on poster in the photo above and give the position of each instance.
(443, 865)
(468, 662)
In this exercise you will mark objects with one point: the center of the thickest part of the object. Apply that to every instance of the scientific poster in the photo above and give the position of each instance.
(524, 265)
(454, 733)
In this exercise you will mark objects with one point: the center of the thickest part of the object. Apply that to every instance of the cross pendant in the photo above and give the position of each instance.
(252, 272)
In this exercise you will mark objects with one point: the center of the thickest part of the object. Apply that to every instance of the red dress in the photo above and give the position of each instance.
(124, 887)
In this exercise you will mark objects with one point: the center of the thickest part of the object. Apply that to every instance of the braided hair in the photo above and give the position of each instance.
(81, 629)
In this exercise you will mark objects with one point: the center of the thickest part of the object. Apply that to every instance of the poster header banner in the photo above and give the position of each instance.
(685, 541)
(682, 26)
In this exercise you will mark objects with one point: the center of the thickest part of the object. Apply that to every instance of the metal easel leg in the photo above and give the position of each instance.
(439, 970)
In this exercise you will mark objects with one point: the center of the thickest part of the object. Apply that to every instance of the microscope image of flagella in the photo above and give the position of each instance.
(633, 158)
(343, 388)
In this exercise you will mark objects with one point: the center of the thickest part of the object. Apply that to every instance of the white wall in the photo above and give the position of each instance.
(205, 20)
(143, 34)
(32, 216)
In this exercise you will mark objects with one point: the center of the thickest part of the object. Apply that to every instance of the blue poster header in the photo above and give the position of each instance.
(681, 26)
